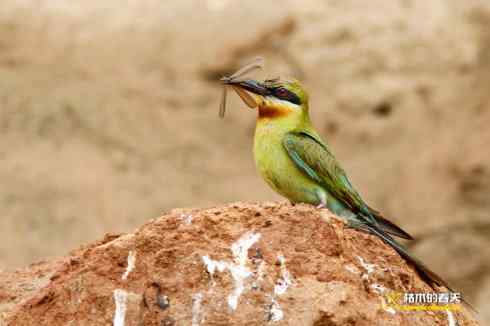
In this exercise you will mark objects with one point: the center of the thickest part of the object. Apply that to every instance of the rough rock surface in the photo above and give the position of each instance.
(241, 264)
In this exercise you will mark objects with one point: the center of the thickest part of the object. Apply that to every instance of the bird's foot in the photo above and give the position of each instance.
(321, 205)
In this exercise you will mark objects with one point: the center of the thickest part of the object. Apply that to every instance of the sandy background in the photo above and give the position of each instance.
(108, 115)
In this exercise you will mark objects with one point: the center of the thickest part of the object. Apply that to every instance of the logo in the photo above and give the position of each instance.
(422, 301)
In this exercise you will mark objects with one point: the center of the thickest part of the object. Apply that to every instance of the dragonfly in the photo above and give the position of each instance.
(257, 63)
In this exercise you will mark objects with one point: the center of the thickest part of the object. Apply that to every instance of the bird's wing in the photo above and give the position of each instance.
(314, 158)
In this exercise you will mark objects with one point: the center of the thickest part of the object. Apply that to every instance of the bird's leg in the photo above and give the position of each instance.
(322, 197)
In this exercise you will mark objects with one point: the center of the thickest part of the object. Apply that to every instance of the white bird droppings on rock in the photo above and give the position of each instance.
(282, 284)
(351, 268)
(275, 311)
(239, 274)
(369, 268)
(241, 246)
(187, 218)
(261, 271)
(120, 298)
(285, 281)
(380, 289)
(131, 264)
(238, 270)
(213, 265)
(196, 309)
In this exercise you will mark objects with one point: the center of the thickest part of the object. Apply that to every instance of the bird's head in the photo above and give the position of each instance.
(272, 97)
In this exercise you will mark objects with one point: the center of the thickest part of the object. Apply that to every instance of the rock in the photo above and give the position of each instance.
(238, 264)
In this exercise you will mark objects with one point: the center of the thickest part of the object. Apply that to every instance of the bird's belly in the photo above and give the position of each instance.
(280, 172)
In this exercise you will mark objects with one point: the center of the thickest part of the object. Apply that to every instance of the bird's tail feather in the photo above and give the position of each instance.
(388, 226)
(425, 272)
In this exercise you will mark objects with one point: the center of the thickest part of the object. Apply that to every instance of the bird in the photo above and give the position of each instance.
(295, 162)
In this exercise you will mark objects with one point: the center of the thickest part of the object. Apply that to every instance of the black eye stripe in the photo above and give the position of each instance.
(284, 94)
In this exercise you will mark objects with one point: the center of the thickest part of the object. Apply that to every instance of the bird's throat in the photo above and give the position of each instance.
(272, 112)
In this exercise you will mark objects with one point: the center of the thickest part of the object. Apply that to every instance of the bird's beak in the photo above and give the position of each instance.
(252, 92)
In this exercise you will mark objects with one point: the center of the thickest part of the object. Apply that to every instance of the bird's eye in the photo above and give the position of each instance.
(281, 93)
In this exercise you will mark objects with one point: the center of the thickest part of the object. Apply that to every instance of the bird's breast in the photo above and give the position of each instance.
(276, 167)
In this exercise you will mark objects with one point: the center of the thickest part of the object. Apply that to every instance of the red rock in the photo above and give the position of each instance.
(288, 272)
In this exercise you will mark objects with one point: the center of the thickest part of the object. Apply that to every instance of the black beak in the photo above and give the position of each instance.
(250, 85)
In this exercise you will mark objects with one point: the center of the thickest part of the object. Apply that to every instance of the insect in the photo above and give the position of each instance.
(257, 63)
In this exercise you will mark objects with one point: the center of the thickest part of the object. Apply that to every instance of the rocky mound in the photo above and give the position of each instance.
(241, 264)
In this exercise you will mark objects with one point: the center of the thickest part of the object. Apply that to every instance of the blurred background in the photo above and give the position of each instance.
(108, 115)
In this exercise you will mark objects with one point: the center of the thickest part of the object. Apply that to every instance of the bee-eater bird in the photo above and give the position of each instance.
(294, 160)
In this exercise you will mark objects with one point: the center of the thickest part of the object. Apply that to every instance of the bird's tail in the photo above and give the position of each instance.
(388, 226)
(431, 277)
(425, 272)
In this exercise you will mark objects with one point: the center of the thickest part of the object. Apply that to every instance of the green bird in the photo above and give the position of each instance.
(294, 160)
